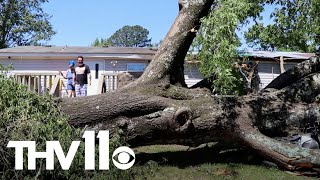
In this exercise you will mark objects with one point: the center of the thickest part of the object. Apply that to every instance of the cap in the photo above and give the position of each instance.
(72, 63)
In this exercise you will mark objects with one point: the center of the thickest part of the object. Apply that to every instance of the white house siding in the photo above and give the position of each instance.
(92, 90)
(21, 65)
(289, 65)
(192, 74)
(269, 70)
(113, 66)
(54, 66)
(35, 66)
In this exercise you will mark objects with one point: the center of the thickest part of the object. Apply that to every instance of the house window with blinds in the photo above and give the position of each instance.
(136, 69)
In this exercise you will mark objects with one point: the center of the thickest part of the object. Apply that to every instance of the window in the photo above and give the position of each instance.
(97, 71)
(136, 67)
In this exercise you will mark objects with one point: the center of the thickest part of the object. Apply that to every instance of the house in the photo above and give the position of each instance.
(105, 63)
(46, 61)
(272, 64)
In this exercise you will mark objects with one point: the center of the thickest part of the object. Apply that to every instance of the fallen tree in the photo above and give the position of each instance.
(159, 109)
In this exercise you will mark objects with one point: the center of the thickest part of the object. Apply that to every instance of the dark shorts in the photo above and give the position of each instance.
(70, 87)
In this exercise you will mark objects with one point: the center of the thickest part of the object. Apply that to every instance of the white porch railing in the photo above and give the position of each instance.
(108, 82)
(41, 83)
(53, 84)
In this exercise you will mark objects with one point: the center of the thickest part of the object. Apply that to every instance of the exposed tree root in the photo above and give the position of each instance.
(156, 109)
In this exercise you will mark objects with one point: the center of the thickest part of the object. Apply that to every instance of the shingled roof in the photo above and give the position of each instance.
(78, 49)
(276, 54)
(47, 52)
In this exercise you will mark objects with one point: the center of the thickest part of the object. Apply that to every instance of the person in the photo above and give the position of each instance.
(82, 78)
(70, 76)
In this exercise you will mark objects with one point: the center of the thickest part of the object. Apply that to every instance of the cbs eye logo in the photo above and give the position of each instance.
(123, 157)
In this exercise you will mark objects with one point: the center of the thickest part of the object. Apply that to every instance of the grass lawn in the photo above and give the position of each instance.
(204, 162)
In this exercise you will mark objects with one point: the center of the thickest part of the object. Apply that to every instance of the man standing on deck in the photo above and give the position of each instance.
(82, 78)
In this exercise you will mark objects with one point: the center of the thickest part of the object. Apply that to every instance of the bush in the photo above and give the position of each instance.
(26, 116)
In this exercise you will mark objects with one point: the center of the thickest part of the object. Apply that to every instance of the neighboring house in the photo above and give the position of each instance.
(101, 60)
(272, 64)
(113, 60)
(52, 59)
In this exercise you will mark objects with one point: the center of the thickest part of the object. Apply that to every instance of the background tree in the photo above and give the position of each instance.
(217, 43)
(100, 43)
(157, 44)
(295, 26)
(23, 22)
(127, 36)
(158, 109)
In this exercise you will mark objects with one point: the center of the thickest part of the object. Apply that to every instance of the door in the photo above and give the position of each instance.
(96, 69)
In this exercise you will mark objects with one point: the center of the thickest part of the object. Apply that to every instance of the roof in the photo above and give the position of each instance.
(78, 49)
(275, 54)
(125, 52)
(48, 52)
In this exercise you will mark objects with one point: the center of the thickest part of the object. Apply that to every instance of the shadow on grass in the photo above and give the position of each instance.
(192, 157)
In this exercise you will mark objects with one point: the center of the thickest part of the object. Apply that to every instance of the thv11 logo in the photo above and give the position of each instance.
(123, 157)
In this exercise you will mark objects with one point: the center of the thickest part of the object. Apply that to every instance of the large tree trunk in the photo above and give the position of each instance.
(167, 63)
(158, 109)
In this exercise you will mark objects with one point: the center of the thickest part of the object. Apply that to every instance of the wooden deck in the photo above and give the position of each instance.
(54, 84)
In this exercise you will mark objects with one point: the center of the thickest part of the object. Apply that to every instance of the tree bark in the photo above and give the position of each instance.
(157, 109)
(290, 76)
(167, 64)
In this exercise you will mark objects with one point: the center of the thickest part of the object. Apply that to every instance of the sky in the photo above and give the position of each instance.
(80, 22)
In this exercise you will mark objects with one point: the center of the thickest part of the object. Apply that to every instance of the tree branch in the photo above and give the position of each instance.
(153, 110)
(295, 74)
